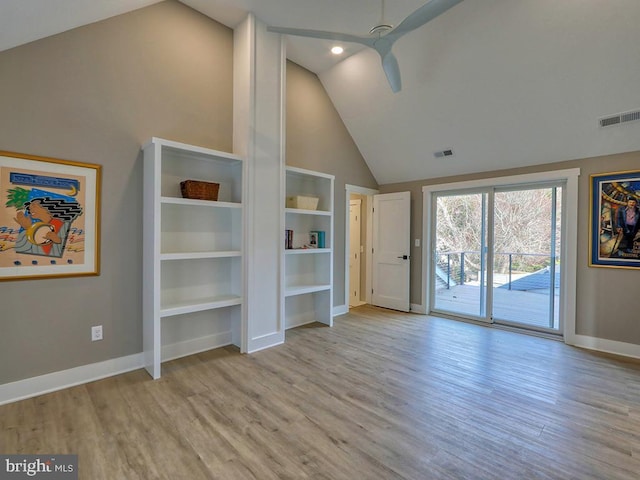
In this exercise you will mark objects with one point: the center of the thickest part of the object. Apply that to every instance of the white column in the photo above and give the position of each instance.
(258, 135)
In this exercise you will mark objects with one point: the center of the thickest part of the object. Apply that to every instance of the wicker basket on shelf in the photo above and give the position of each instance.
(303, 202)
(197, 190)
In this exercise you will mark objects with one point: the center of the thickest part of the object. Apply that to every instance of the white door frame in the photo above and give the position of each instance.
(355, 203)
(368, 214)
(569, 234)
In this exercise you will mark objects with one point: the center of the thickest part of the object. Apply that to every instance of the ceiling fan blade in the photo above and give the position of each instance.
(392, 71)
(343, 37)
(422, 15)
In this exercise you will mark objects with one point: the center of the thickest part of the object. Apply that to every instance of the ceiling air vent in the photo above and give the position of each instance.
(619, 118)
(630, 116)
(443, 153)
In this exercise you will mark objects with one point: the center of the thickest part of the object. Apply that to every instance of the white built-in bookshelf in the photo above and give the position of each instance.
(193, 285)
(308, 272)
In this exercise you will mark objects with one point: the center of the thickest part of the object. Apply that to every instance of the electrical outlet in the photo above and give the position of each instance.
(96, 333)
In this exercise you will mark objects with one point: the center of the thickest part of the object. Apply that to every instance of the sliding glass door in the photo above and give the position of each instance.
(497, 255)
(459, 274)
(526, 262)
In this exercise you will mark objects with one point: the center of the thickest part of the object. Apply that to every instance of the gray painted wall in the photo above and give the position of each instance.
(318, 140)
(95, 94)
(607, 299)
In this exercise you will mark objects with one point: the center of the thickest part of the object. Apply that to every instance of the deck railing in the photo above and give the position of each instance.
(453, 265)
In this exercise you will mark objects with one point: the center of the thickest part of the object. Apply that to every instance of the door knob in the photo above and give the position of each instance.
(404, 257)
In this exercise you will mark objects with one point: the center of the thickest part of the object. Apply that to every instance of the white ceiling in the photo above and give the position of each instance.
(504, 83)
(23, 21)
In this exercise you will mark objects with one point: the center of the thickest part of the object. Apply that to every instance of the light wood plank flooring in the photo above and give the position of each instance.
(381, 395)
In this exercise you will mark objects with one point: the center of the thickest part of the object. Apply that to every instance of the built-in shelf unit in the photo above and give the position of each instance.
(193, 286)
(308, 272)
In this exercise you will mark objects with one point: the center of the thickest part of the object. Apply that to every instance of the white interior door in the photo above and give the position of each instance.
(354, 252)
(391, 247)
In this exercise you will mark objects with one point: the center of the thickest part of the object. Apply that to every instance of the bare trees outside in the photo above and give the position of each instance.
(522, 231)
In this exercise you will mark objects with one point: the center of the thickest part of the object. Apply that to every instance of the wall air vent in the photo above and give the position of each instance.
(443, 153)
(619, 118)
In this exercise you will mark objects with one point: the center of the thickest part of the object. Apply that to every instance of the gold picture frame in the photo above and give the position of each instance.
(614, 214)
(49, 217)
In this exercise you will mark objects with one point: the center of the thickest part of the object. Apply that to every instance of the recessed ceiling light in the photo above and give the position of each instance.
(337, 50)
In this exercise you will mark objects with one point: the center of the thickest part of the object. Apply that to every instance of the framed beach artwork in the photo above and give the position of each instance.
(615, 220)
(49, 217)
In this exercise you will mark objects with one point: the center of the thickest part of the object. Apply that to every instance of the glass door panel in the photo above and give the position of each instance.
(459, 269)
(526, 263)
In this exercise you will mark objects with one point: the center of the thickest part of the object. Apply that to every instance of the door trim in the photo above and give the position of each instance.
(569, 233)
(369, 192)
(357, 202)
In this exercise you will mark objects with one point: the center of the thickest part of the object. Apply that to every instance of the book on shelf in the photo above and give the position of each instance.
(288, 239)
(320, 238)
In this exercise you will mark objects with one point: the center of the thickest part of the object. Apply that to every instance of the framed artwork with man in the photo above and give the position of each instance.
(615, 220)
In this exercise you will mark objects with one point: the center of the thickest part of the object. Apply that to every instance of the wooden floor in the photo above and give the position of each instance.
(381, 395)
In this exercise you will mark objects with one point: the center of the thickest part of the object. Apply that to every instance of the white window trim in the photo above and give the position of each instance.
(570, 233)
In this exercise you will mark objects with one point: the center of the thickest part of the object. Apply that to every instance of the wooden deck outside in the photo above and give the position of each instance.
(522, 307)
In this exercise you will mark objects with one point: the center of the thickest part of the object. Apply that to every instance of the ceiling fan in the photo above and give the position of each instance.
(382, 36)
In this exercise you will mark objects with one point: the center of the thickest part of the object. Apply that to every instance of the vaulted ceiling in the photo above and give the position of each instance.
(503, 83)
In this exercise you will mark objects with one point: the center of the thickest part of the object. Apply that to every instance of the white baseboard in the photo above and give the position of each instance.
(340, 310)
(358, 304)
(583, 341)
(607, 346)
(265, 341)
(417, 308)
(299, 323)
(51, 382)
(196, 345)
